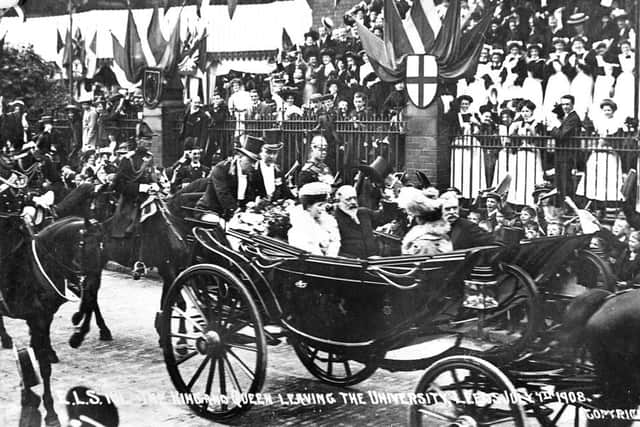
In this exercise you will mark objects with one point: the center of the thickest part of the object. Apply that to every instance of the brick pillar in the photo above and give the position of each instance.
(153, 117)
(426, 147)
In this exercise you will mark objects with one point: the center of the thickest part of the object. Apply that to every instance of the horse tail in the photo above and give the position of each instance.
(580, 311)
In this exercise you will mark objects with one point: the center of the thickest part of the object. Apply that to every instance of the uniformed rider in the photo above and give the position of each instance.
(231, 183)
(316, 169)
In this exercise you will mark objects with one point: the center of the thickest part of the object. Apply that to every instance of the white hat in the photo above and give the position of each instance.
(327, 22)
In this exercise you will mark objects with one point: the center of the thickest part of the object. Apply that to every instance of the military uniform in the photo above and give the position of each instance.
(43, 174)
(135, 169)
(314, 171)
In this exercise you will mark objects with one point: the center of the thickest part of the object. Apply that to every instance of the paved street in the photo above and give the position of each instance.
(131, 369)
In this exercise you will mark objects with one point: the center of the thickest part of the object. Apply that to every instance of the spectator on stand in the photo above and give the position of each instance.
(195, 124)
(89, 125)
(568, 128)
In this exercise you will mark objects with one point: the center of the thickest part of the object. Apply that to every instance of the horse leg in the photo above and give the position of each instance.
(105, 333)
(87, 308)
(5, 338)
(40, 341)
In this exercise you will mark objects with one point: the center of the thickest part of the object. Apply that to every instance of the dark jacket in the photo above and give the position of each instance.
(465, 234)
(626, 269)
(221, 194)
(569, 127)
(356, 240)
(281, 191)
(134, 170)
(196, 126)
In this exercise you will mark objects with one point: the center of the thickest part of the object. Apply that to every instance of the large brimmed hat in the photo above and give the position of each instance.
(251, 148)
(610, 103)
(619, 14)
(377, 170)
(314, 192)
(416, 203)
(273, 139)
(578, 18)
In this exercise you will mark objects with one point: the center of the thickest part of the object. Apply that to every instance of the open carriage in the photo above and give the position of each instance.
(344, 317)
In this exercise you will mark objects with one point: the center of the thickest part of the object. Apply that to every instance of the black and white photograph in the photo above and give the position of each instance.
(319, 213)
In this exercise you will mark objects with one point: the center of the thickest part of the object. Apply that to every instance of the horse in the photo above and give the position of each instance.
(607, 325)
(34, 274)
(160, 241)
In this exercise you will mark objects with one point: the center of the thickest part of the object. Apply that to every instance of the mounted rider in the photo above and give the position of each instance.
(49, 143)
(13, 125)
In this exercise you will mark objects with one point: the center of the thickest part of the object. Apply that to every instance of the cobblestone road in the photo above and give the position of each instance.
(131, 369)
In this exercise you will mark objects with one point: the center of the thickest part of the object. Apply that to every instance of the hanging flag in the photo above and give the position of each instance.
(231, 6)
(377, 53)
(157, 42)
(60, 44)
(2, 43)
(172, 50)
(130, 57)
(79, 50)
(194, 53)
(397, 42)
(287, 44)
(447, 43)
(423, 15)
(93, 46)
(67, 56)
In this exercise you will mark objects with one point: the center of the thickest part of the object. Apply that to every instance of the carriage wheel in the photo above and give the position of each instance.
(466, 391)
(331, 368)
(591, 271)
(503, 332)
(214, 342)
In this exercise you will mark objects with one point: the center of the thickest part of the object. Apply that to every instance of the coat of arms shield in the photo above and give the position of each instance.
(422, 79)
(152, 87)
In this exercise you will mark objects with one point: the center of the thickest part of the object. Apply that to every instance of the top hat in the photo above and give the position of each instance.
(377, 170)
(578, 18)
(251, 148)
(273, 139)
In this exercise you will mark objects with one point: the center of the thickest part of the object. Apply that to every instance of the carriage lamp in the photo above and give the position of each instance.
(479, 291)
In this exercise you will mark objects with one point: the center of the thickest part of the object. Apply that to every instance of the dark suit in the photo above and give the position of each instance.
(281, 191)
(465, 234)
(135, 169)
(196, 125)
(565, 157)
(356, 240)
(627, 270)
(221, 194)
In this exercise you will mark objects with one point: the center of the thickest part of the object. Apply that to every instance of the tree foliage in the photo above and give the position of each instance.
(24, 74)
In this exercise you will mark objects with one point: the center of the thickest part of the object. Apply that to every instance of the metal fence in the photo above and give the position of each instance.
(350, 142)
(595, 166)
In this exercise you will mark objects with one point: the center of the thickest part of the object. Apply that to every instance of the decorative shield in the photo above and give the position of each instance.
(152, 87)
(422, 79)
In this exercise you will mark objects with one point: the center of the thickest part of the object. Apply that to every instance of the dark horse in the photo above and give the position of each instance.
(34, 273)
(608, 324)
(160, 241)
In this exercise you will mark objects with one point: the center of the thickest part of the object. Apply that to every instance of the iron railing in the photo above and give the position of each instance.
(598, 165)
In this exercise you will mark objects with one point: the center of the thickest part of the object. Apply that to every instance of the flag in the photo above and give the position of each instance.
(94, 43)
(194, 53)
(60, 44)
(287, 44)
(130, 57)
(423, 15)
(171, 53)
(396, 41)
(447, 43)
(376, 51)
(2, 43)
(79, 50)
(67, 55)
(231, 6)
(157, 43)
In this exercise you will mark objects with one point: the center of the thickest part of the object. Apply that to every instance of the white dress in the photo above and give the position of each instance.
(603, 177)
(582, 90)
(467, 163)
(318, 238)
(602, 87)
(503, 162)
(532, 87)
(476, 88)
(525, 163)
(624, 89)
(557, 86)
(510, 89)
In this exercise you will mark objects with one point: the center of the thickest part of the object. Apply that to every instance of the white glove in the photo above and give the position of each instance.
(147, 188)
(46, 200)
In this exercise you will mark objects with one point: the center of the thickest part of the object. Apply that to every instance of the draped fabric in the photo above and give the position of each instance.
(456, 54)
(130, 57)
(157, 43)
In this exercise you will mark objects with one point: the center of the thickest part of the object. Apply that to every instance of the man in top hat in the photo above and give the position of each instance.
(315, 169)
(89, 124)
(230, 182)
(195, 124)
(13, 125)
(269, 180)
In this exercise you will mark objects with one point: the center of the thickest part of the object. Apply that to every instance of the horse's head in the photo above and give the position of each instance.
(87, 254)
(104, 203)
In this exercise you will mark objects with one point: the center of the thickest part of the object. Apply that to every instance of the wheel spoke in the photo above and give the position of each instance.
(189, 319)
(347, 368)
(223, 386)
(194, 301)
(233, 374)
(458, 385)
(207, 390)
(243, 365)
(559, 414)
(330, 364)
(242, 347)
(196, 375)
(187, 357)
(185, 336)
(437, 415)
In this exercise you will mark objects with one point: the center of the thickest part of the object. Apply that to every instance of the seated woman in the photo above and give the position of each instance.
(313, 229)
(429, 234)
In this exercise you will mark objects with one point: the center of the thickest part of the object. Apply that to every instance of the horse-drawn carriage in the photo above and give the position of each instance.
(345, 317)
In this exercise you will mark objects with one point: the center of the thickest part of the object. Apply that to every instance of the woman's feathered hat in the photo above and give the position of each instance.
(417, 204)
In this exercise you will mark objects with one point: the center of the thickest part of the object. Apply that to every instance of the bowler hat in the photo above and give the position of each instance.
(377, 170)
(273, 139)
(251, 148)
